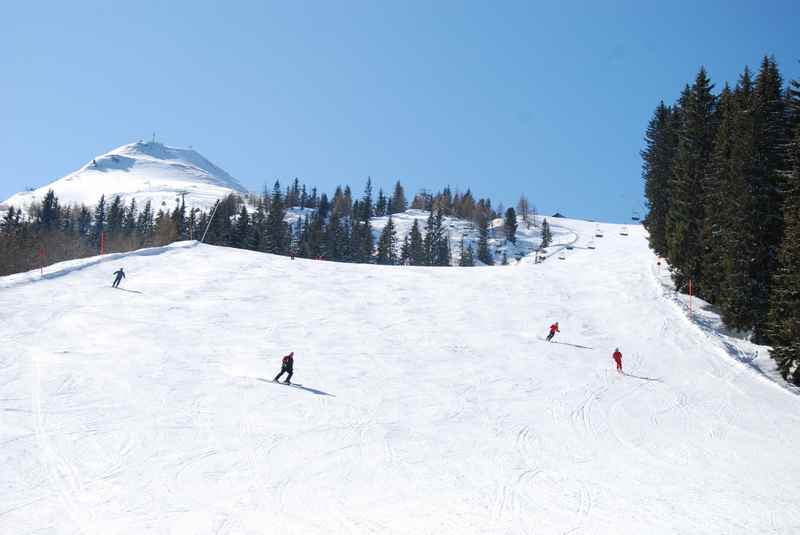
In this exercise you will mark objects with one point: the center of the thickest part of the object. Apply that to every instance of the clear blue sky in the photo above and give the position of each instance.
(550, 99)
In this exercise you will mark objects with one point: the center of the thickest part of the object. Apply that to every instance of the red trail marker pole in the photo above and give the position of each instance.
(43, 258)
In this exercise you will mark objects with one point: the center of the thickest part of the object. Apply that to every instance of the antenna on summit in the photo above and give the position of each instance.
(154, 138)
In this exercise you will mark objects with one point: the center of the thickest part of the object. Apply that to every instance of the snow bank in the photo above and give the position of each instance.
(706, 318)
(64, 268)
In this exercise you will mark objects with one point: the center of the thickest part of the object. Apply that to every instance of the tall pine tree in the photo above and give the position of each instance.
(276, 235)
(416, 246)
(717, 201)
(483, 242)
(241, 231)
(99, 220)
(766, 187)
(116, 215)
(657, 161)
(686, 213)
(467, 257)
(510, 225)
(50, 212)
(398, 203)
(129, 220)
(387, 244)
(784, 314)
(547, 236)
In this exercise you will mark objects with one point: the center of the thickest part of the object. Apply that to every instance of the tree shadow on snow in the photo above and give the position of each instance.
(301, 387)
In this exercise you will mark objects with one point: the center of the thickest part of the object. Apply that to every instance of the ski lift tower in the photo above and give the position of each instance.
(182, 196)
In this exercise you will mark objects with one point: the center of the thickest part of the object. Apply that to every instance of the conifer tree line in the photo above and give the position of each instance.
(722, 182)
(334, 228)
(49, 232)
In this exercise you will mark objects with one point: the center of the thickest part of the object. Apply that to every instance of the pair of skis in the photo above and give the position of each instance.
(285, 383)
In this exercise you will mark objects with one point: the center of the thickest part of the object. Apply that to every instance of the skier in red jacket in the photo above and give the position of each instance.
(618, 359)
(287, 366)
(553, 331)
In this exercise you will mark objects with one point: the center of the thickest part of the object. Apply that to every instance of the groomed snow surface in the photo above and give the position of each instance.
(429, 404)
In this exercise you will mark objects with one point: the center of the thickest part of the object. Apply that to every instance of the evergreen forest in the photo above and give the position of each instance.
(721, 168)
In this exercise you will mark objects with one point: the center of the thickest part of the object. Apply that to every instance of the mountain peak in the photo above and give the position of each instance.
(144, 171)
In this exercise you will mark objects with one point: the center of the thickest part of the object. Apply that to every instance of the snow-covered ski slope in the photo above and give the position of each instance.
(429, 402)
(144, 171)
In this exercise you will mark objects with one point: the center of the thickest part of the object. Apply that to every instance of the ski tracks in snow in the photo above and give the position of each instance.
(583, 416)
(447, 418)
(64, 477)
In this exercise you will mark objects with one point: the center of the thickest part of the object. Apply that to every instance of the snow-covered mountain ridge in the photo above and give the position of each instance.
(144, 171)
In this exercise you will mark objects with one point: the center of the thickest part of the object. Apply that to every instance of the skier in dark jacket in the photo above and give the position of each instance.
(553, 331)
(120, 275)
(287, 366)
